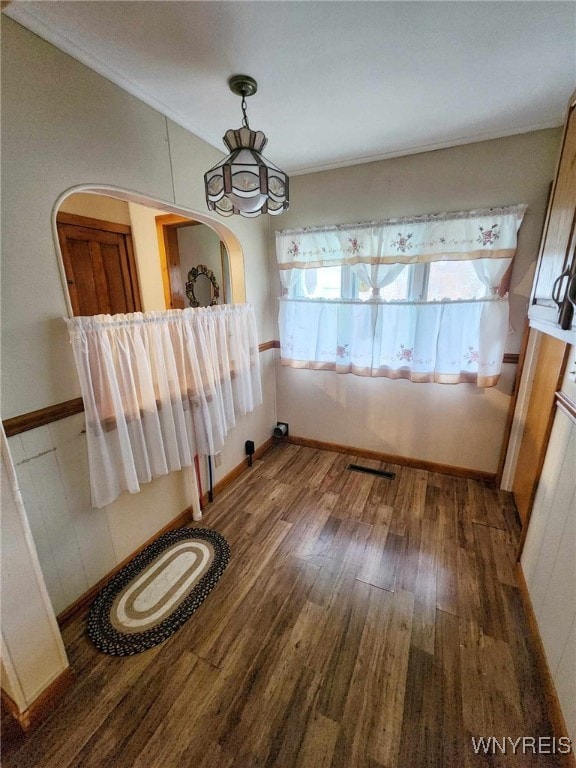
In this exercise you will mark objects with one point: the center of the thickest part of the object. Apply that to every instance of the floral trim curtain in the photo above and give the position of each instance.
(160, 387)
(463, 235)
(441, 341)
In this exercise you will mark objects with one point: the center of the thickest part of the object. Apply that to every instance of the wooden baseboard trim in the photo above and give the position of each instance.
(390, 458)
(554, 711)
(42, 705)
(237, 471)
(79, 606)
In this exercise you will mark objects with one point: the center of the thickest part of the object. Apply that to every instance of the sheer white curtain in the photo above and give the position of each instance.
(494, 274)
(448, 341)
(160, 387)
(377, 276)
(443, 342)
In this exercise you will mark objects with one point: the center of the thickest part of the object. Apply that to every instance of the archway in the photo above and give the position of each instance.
(228, 238)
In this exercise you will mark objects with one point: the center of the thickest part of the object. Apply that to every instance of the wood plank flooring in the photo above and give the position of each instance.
(361, 623)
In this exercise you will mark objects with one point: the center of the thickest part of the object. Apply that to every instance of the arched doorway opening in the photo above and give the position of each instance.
(162, 245)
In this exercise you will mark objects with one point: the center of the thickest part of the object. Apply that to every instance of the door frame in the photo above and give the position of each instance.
(167, 227)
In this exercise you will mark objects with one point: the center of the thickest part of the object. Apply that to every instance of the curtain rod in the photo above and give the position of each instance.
(518, 210)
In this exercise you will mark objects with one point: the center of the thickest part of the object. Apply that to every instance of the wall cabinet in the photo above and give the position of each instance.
(553, 301)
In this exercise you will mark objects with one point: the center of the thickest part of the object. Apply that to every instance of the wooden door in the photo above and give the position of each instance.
(99, 265)
(552, 357)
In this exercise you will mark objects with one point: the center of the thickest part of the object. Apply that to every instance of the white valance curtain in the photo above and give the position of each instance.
(443, 341)
(463, 235)
(160, 387)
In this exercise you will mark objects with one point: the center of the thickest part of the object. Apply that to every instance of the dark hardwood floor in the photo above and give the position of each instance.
(361, 623)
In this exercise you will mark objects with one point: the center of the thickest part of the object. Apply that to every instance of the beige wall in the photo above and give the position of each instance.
(459, 425)
(53, 139)
(56, 139)
(90, 132)
(97, 207)
(145, 239)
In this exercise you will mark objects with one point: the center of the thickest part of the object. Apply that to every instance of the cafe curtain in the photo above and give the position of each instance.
(161, 387)
(445, 341)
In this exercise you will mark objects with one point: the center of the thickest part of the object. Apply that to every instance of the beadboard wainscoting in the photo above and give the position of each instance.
(549, 562)
(78, 545)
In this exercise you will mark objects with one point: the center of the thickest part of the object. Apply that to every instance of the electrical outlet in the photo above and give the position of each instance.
(217, 459)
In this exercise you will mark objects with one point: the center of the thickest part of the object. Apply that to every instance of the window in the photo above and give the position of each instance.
(453, 280)
(436, 281)
(423, 298)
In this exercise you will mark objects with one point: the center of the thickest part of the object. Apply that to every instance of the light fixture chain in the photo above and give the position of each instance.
(245, 118)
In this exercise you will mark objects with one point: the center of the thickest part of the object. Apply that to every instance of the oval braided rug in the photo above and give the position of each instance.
(158, 591)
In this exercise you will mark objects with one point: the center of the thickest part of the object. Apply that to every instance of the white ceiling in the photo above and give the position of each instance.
(339, 82)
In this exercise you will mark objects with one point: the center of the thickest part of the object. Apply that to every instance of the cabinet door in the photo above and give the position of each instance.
(552, 359)
(557, 249)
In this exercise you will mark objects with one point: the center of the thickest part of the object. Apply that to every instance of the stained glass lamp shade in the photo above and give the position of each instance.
(246, 183)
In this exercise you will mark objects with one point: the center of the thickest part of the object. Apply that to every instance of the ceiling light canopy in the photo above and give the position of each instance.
(245, 182)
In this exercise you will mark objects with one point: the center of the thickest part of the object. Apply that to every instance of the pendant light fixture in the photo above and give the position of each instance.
(246, 183)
